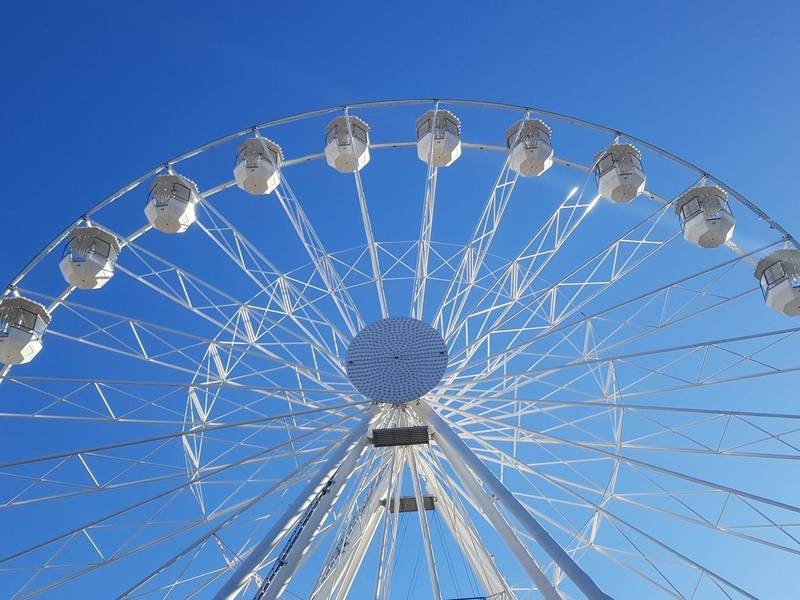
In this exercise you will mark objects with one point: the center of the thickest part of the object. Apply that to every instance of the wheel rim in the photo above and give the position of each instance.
(581, 347)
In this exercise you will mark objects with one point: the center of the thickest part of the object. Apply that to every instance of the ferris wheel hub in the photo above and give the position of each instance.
(396, 360)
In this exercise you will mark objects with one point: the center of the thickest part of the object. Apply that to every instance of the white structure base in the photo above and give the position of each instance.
(463, 531)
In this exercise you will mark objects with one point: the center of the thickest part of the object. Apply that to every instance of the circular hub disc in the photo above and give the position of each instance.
(396, 360)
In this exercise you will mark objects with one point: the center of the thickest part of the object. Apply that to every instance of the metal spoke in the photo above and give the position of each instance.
(426, 227)
(148, 500)
(478, 245)
(319, 257)
(371, 245)
(608, 265)
(656, 468)
(283, 292)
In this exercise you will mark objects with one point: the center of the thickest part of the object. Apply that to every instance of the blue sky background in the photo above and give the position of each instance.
(93, 97)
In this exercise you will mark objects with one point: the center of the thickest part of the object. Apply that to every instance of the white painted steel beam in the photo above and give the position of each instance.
(343, 457)
(423, 525)
(460, 457)
(463, 532)
(426, 228)
(362, 203)
(336, 583)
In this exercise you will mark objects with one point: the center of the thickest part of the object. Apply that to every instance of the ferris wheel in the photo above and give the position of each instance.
(406, 349)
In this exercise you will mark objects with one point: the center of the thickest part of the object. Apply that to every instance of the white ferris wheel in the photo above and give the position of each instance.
(406, 349)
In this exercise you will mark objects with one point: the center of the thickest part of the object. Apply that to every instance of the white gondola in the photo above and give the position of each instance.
(619, 173)
(531, 148)
(89, 258)
(342, 153)
(172, 206)
(705, 217)
(445, 138)
(779, 277)
(257, 164)
(22, 325)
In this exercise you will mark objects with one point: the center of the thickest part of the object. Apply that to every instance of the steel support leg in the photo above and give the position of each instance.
(336, 584)
(465, 535)
(332, 475)
(460, 457)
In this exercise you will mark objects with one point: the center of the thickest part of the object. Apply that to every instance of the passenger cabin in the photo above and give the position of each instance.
(779, 277)
(440, 144)
(529, 142)
(172, 205)
(347, 144)
(89, 258)
(619, 173)
(22, 326)
(258, 161)
(705, 217)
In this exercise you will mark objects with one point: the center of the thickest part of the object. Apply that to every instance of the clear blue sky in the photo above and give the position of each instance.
(93, 95)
